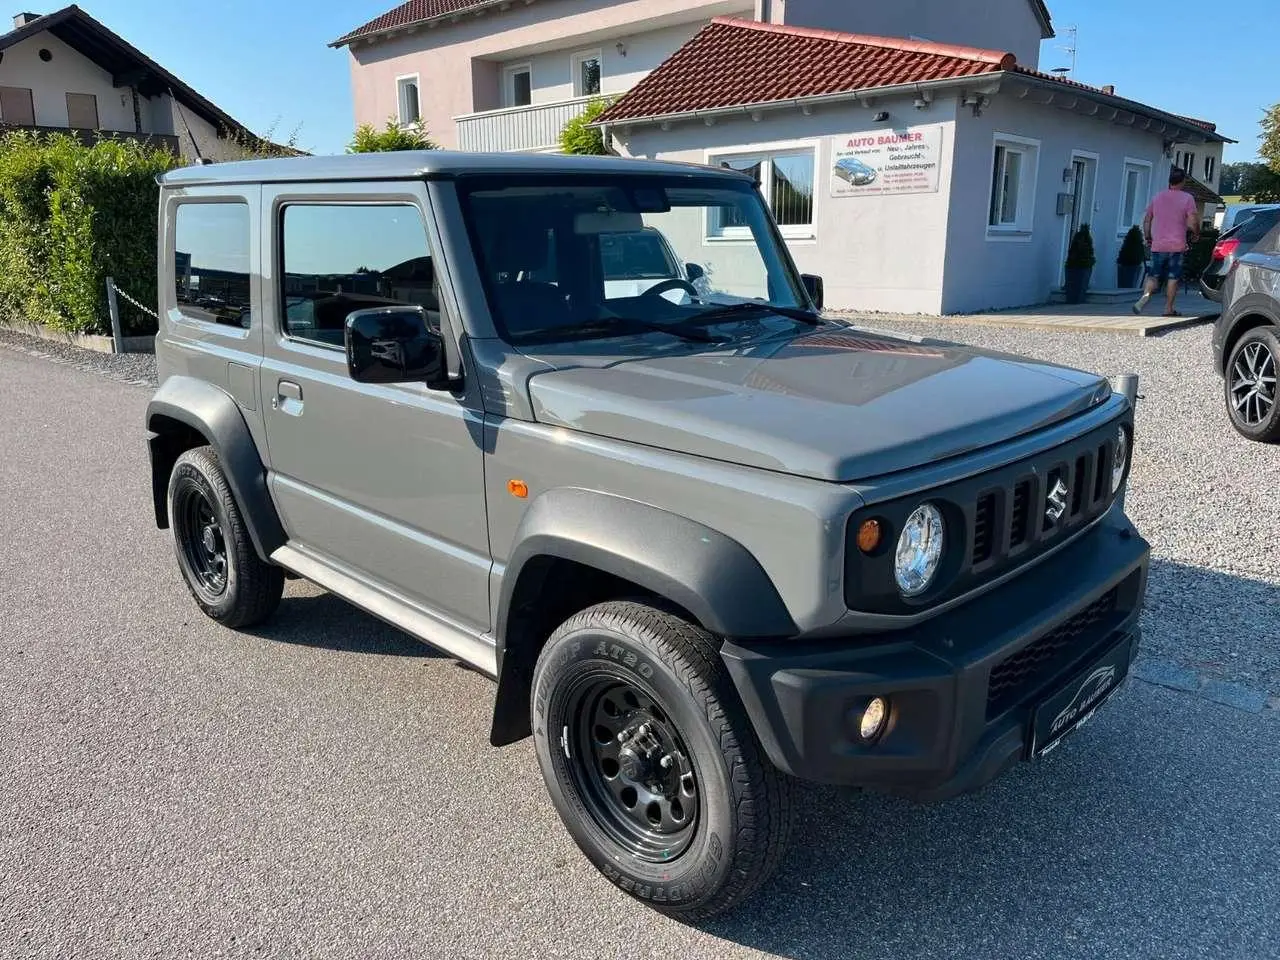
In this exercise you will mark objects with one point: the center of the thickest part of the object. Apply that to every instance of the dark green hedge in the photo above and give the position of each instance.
(70, 216)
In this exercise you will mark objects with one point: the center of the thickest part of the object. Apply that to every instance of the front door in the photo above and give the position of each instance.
(1084, 178)
(385, 480)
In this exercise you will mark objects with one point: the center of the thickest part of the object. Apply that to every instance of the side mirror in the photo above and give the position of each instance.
(693, 272)
(813, 286)
(393, 345)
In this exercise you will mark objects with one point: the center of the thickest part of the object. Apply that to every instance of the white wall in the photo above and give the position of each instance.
(552, 71)
(67, 72)
(874, 253)
(982, 273)
(1009, 26)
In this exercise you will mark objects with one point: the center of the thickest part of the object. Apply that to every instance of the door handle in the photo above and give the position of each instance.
(288, 398)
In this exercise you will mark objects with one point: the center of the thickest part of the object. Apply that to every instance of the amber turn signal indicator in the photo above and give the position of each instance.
(518, 489)
(869, 534)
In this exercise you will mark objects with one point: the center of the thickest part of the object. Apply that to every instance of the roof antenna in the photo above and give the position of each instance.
(201, 160)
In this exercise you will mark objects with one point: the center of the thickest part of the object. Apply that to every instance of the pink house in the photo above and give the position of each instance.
(508, 74)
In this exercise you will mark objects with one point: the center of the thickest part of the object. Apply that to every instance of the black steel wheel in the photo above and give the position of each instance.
(223, 571)
(632, 767)
(1251, 378)
(651, 761)
(199, 536)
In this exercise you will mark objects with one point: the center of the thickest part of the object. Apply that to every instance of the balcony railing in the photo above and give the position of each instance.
(532, 128)
(162, 140)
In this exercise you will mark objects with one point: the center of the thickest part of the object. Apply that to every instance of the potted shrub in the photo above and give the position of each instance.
(1133, 254)
(1080, 261)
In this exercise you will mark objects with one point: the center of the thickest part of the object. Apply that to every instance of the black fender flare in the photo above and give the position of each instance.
(214, 415)
(706, 573)
(1253, 305)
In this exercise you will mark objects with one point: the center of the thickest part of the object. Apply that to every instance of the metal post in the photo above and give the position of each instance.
(1127, 385)
(114, 308)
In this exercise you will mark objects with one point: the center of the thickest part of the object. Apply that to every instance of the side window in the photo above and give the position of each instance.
(211, 262)
(337, 258)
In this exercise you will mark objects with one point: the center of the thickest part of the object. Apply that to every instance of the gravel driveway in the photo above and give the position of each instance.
(323, 786)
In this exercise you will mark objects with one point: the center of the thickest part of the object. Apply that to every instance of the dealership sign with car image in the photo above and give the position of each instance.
(886, 162)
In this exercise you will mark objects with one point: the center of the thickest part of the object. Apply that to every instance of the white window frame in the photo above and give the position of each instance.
(1141, 200)
(1210, 168)
(509, 73)
(575, 66)
(1029, 172)
(765, 152)
(401, 81)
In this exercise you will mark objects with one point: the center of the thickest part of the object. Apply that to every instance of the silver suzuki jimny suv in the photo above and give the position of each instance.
(704, 540)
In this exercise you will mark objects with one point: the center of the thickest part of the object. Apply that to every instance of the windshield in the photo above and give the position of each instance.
(586, 258)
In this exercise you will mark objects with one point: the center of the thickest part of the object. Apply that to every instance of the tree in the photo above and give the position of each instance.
(1260, 184)
(393, 137)
(579, 137)
(1270, 137)
(1229, 179)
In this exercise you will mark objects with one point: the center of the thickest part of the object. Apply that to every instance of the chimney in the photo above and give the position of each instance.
(22, 19)
(1110, 88)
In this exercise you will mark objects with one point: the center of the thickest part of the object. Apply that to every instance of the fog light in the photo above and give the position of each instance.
(874, 714)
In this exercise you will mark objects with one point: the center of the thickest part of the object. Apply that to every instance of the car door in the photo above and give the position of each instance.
(384, 481)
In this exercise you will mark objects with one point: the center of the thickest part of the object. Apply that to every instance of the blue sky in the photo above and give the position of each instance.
(267, 63)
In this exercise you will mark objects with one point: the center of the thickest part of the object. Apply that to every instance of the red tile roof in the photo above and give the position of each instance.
(741, 63)
(415, 11)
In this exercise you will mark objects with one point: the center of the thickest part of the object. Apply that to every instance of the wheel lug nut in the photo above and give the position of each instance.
(666, 762)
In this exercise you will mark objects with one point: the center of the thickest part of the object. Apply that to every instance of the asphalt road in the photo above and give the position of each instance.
(323, 787)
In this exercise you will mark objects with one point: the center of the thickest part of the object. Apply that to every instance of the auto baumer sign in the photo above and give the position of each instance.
(880, 162)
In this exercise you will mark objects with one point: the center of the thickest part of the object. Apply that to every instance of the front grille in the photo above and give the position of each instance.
(1021, 673)
(995, 521)
(984, 523)
(1021, 507)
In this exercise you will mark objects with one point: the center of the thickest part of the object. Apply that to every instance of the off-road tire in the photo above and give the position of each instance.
(743, 809)
(251, 589)
(1263, 344)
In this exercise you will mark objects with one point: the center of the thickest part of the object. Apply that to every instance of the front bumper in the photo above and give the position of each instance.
(962, 686)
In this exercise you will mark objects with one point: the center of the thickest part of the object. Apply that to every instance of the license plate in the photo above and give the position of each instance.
(1075, 703)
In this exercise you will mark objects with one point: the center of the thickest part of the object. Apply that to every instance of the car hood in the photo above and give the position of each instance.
(835, 404)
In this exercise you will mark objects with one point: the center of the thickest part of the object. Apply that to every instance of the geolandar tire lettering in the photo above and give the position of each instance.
(651, 762)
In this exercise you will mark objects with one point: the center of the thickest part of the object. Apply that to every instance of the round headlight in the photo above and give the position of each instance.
(1120, 462)
(919, 550)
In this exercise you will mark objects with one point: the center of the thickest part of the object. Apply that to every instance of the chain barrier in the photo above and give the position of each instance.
(128, 299)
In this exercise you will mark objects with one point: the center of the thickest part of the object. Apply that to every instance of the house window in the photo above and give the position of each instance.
(1013, 186)
(586, 73)
(1210, 167)
(16, 106)
(410, 110)
(517, 87)
(82, 111)
(1134, 190)
(1187, 163)
(786, 180)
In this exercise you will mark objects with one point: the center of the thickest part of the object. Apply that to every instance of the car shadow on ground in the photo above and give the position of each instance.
(325, 621)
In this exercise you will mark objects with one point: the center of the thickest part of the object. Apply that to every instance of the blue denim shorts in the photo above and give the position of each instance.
(1166, 266)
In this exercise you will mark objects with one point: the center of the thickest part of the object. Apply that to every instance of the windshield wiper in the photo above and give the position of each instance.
(731, 310)
(617, 327)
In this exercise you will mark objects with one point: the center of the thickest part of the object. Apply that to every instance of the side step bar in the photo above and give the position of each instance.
(395, 610)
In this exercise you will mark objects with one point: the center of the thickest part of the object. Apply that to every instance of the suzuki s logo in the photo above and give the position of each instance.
(1056, 503)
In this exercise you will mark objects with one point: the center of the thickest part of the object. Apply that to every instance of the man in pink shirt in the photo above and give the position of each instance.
(1169, 217)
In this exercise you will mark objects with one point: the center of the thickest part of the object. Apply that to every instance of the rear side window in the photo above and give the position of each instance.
(1257, 226)
(337, 258)
(211, 263)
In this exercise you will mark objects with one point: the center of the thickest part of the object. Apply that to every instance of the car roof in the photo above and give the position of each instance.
(415, 164)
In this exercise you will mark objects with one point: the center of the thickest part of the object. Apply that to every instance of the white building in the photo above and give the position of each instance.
(998, 163)
(66, 72)
(913, 176)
